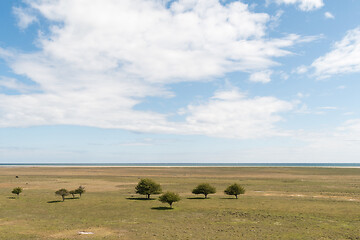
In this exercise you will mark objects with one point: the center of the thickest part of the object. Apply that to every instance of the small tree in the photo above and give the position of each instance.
(80, 190)
(205, 189)
(147, 187)
(170, 198)
(62, 192)
(73, 192)
(234, 189)
(17, 191)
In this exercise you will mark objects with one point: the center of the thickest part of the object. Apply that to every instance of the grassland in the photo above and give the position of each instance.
(280, 203)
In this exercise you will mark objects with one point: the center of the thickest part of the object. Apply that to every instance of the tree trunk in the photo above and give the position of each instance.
(205, 195)
(63, 197)
(80, 194)
(148, 196)
(73, 195)
(170, 205)
(236, 196)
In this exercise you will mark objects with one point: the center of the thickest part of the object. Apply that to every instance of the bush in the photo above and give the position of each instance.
(62, 192)
(17, 191)
(147, 187)
(234, 189)
(205, 189)
(170, 198)
(80, 190)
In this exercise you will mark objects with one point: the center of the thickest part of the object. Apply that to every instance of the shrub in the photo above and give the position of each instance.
(234, 189)
(170, 198)
(17, 191)
(205, 189)
(80, 190)
(62, 192)
(147, 187)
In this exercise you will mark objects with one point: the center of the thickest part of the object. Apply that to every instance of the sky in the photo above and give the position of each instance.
(179, 81)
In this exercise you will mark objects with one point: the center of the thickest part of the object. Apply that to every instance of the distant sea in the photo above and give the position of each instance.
(189, 164)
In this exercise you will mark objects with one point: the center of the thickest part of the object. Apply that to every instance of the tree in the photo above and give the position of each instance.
(234, 189)
(62, 192)
(80, 190)
(170, 198)
(147, 187)
(17, 191)
(73, 192)
(205, 189)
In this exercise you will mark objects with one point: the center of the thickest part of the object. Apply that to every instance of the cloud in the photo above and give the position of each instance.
(329, 15)
(328, 108)
(301, 69)
(98, 60)
(263, 76)
(344, 57)
(304, 5)
(24, 17)
(231, 114)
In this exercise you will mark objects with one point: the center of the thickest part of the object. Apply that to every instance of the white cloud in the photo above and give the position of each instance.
(13, 84)
(328, 108)
(231, 114)
(100, 59)
(263, 76)
(329, 15)
(301, 69)
(304, 5)
(344, 57)
(24, 17)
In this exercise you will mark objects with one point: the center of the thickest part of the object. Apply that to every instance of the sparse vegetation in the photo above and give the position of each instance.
(80, 190)
(17, 191)
(63, 193)
(205, 189)
(235, 190)
(148, 187)
(279, 203)
(73, 192)
(170, 198)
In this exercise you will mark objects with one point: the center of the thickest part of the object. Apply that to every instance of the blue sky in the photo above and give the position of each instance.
(179, 81)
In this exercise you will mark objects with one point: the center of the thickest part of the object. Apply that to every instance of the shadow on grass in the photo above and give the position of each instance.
(141, 199)
(72, 198)
(56, 201)
(162, 208)
(11, 197)
(197, 198)
(230, 198)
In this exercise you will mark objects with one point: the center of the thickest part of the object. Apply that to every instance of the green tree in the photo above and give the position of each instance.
(17, 191)
(170, 198)
(234, 189)
(147, 187)
(205, 189)
(80, 190)
(62, 192)
(73, 192)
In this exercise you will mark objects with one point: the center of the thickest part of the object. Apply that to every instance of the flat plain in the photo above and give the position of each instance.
(279, 203)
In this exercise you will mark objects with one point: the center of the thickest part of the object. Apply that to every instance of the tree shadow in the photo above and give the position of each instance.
(162, 208)
(192, 198)
(141, 199)
(56, 201)
(11, 197)
(70, 198)
(229, 198)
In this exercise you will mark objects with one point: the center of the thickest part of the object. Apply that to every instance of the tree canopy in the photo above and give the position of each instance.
(234, 189)
(62, 192)
(80, 190)
(17, 190)
(147, 187)
(170, 198)
(205, 189)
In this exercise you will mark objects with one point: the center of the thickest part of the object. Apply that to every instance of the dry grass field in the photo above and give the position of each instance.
(279, 203)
